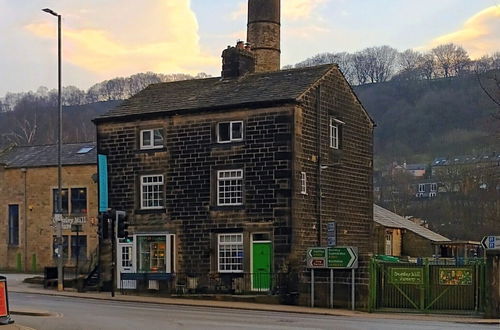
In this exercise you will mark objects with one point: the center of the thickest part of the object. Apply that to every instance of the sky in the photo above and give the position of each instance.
(104, 39)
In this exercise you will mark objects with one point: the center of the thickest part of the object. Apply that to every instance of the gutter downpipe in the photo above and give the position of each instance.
(318, 187)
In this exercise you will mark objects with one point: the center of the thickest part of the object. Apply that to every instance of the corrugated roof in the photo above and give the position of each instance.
(390, 219)
(46, 155)
(256, 88)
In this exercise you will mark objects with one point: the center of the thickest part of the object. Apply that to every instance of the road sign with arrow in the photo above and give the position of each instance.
(340, 257)
(491, 242)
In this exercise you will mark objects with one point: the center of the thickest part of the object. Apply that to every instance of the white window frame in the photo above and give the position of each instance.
(152, 139)
(231, 138)
(433, 187)
(228, 176)
(303, 183)
(230, 262)
(335, 132)
(421, 187)
(432, 194)
(150, 184)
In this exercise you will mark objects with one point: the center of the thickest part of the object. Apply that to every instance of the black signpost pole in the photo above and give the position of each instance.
(312, 287)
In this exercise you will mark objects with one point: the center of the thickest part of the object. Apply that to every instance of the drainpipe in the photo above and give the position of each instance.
(318, 171)
(25, 207)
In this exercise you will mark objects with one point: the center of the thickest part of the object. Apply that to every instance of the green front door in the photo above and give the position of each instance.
(261, 266)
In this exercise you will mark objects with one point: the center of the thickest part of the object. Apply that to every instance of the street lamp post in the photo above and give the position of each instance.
(58, 215)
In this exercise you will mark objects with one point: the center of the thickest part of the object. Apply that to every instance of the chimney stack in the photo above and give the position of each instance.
(263, 33)
(237, 61)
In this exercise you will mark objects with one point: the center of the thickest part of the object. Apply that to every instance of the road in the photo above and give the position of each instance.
(78, 313)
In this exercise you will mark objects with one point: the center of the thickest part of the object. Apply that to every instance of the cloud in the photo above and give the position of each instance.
(307, 32)
(479, 34)
(291, 9)
(160, 36)
(300, 9)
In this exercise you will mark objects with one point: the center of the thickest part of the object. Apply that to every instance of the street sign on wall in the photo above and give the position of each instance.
(331, 233)
(340, 257)
(491, 242)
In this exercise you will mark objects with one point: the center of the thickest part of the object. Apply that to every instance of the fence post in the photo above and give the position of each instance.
(424, 290)
(373, 284)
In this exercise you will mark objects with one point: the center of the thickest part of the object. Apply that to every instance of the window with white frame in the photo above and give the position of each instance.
(152, 188)
(432, 194)
(303, 183)
(433, 187)
(230, 248)
(230, 187)
(335, 135)
(421, 188)
(231, 131)
(151, 138)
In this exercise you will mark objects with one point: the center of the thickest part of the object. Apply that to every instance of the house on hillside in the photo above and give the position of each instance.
(28, 195)
(229, 180)
(398, 236)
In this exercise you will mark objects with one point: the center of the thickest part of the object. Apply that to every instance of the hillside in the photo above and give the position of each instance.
(419, 120)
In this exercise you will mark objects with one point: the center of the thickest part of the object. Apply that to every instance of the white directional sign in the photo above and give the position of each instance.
(491, 242)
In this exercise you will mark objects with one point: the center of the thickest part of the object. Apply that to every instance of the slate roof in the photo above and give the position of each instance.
(257, 88)
(46, 155)
(389, 219)
(415, 167)
(467, 159)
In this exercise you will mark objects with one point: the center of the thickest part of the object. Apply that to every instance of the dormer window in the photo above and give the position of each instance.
(151, 138)
(231, 131)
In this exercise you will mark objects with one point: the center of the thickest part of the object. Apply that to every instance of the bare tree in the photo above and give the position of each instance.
(362, 64)
(451, 59)
(427, 66)
(382, 62)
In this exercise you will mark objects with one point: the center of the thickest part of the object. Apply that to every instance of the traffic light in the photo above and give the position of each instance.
(121, 224)
(104, 219)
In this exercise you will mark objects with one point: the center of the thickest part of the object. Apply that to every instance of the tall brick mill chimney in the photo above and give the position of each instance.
(263, 33)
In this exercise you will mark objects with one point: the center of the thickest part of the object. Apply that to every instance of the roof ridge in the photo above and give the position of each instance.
(53, 144)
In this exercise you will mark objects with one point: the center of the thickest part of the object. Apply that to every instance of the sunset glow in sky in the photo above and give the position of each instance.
(103, 39)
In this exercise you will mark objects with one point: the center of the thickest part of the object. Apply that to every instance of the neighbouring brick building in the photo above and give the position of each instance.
(223, 176)
(28, 188)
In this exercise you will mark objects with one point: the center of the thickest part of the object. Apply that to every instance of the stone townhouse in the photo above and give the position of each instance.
(28, 191)
(240, 174)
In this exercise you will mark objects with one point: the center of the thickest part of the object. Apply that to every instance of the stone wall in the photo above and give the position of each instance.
(416, 246)
(346, 177)
(189, 163)
(32, 191)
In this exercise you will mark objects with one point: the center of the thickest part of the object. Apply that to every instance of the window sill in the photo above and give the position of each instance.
(151, 150)
(228, 145)
(151, 211)
(227, 207)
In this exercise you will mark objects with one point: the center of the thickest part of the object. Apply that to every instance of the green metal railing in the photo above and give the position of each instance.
(431, 285)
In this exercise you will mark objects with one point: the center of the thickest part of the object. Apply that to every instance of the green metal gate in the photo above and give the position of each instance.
(429, 286)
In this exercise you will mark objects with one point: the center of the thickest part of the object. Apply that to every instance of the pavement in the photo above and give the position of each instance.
(15, 284)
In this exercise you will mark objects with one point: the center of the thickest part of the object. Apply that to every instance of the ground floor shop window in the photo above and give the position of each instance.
(152, 253)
